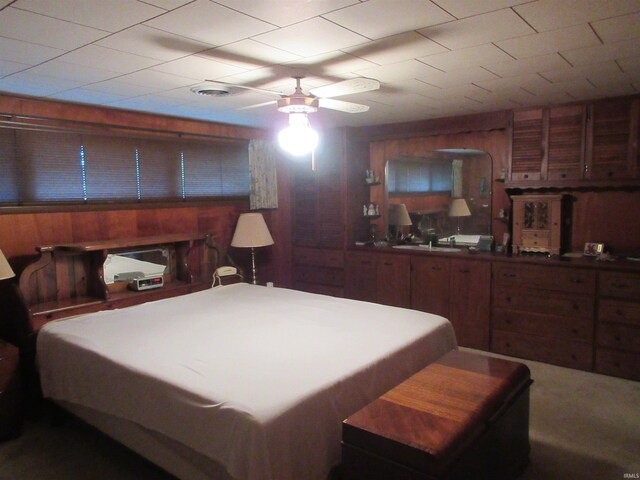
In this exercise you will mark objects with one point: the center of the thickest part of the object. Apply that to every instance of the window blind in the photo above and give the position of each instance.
(47, 166)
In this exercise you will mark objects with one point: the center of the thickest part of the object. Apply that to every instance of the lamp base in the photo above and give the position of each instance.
(254, 278)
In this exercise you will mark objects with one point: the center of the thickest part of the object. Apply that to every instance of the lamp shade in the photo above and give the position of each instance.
(5, 268)
(398, 214)
(459, 208)
(251, 231)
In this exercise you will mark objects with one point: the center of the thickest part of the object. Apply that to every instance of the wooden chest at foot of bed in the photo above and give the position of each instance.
(466, 416)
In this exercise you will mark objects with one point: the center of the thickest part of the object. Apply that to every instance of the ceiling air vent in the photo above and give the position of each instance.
(214, 91)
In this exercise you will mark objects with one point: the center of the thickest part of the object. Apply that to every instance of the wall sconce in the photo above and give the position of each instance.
(251, 232)
(459, 208)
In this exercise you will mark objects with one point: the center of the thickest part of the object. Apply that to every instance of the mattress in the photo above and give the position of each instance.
(257, 379)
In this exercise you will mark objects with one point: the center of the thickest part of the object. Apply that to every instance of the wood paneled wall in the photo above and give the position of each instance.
(22, 230)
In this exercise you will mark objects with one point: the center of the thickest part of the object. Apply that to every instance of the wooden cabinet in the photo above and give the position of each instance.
(576, 144)
(544, 313)
(378, 277)
(319, 270)
(618, 327)
(431, 285)
(537, 223)
(471, 302)
(10, 416)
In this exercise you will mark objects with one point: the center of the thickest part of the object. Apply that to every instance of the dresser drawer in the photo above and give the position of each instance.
(619, 336)
(320, 275)
(619, 311)
(553, 303)
(318, 257)
(557, 351)
(571, 280)
(620, 285)
(620, 364)
(536, 238)
(541, 324)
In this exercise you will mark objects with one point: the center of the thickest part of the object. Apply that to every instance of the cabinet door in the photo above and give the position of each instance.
(360, 276)
(527, 145)
(430, 285)
(609, 148)
(565, 154)
(393, 277)
(470, 302)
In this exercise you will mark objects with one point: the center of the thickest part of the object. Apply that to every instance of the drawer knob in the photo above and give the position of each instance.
(573, 356)
(619, 313)
(619, 285)
(574, 331)
(507, 321)
(508, 299)
(616, 364)
(577, 280)
(616, 338)
(509, 275)
(508, 344)
(388, 264)
(576, 306)
(463, 270)
(437, 269)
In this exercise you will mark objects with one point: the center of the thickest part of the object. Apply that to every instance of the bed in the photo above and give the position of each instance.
(238, 382)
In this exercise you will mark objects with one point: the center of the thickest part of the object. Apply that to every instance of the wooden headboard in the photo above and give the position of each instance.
(68, 279)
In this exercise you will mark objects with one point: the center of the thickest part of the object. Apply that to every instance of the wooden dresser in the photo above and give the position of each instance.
(10, 415)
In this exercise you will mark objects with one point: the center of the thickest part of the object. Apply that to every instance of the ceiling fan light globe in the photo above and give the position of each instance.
(298, 140)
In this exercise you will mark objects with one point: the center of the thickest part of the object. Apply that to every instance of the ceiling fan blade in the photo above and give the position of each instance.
(341, 106)
(244, 87)
(258, 105)
(346, 87)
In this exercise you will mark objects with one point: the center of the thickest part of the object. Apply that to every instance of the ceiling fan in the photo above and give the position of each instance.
(298, 101)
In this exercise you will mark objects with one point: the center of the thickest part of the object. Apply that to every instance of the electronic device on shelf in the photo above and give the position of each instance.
(147, 282)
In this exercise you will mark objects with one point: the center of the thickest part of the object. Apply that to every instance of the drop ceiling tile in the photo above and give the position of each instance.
(102, 15)
(286, 12)
(630, 65)
(249, 54)
(41, 30)
(469, 8)
(333, 63)
(4, 3)
(68, 71)
(398, 71)
(29, 84)
(485, 28)
(167, 4)
(87, 96)
(601, 53)
(412, 85)
(380, 18)
(550, 42)
(466, 57)
(153, 43)
(542, 63)
(198, 68)
(156, 81)
(456, 77)
(209, 22)
(7, 67)
(618, 28)
(606, 69)
(531, 83)
(468, 90)
(27, 53)
(121, 88)
(311, 37)
(396, 48)
(545, 15)
(108, 59)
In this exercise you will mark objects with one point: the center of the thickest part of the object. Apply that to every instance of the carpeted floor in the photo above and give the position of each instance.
(583, 426)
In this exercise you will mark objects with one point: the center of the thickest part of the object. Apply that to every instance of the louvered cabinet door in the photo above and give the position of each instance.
(565, 155)
(527, 145)
(610, 149)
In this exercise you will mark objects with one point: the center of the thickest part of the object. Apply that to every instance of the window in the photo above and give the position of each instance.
(46, 166)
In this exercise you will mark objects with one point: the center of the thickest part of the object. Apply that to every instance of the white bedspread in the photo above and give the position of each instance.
(256, 378)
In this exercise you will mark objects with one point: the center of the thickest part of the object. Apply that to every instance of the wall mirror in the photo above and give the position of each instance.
(445, 192)
(125, 266)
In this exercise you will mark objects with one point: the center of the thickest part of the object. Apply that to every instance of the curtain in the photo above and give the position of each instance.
(263, 157)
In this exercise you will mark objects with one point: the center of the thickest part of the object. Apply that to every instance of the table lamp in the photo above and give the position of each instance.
(398, 217)
(5, 268)
(459, 208)
(251, 232)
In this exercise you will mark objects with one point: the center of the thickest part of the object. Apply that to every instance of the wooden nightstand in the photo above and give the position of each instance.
(10, 414)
